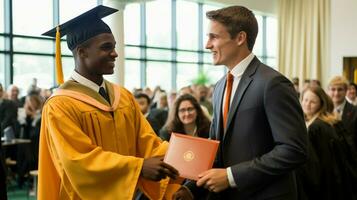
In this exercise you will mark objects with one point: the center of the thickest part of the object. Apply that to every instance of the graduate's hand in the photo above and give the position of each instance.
(155, 169)
(215, 180)
(182, 194)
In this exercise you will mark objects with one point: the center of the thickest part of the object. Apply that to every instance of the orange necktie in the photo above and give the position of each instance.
(228, 98)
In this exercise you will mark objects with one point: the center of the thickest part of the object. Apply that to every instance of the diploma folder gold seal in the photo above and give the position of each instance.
(191, 155)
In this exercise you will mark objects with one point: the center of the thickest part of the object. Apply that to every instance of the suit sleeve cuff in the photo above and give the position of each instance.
(231, 181)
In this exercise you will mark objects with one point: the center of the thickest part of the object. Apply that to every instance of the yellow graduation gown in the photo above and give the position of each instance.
(92, 150)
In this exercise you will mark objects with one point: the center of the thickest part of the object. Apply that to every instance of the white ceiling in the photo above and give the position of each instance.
(262, 6)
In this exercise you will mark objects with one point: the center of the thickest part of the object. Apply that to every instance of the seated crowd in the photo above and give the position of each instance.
(330, 116)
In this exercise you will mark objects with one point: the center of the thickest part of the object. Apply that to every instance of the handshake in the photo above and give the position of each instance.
(155, 169)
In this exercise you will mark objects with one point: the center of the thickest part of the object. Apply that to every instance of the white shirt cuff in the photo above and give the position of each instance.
(231, 181)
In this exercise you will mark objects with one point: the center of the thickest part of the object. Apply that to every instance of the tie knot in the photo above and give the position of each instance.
(230, 77)
(104, 94)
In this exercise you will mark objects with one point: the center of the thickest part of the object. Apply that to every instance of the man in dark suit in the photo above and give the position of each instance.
(144, 103)
(256, 116)
(8, 113)
(337, 90)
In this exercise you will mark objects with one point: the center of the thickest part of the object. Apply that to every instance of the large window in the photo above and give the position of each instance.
(132, 24)
(159, 74)
(27, 67)
(158, 23)
(187, 33)
(185, 74)
(132, 74)
(1, 16)
(70, 8)
(2, 69)
(2, 47)
(28, 22)
(32, 45)
(164, 42)
(175, 33)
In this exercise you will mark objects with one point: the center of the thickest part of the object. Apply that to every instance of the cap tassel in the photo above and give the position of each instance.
(59, 71)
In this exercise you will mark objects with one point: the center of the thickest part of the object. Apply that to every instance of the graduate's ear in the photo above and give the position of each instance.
(81, 52)
(241, 38)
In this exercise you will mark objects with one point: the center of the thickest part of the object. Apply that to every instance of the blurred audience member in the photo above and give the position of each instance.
(351, 95)
(13, 94)
(171, 98)
(45, 94)
(186, 117)
(30, 121)
(137, 91)
(201, 93)
(8, 114)
(148, 92)
(337, 89)
(317, 179)
(315, 83)
(185, 90)
(144, 103)
(162, 102)
(305, 85)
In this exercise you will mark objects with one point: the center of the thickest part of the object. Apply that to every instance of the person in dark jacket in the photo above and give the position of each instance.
(320, 177)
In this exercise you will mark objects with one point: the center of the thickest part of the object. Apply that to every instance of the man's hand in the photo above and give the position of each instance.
(215, 180)
(182, 194)
(155, 169)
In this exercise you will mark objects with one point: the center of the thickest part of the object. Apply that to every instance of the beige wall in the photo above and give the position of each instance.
(343, 34)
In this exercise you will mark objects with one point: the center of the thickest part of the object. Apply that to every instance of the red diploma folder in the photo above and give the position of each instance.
(191, 155)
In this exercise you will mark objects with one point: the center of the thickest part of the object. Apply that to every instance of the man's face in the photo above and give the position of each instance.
(143, 104)
(100, 54)
(337, 93)
(224, 49)
(14, 92)
(351, 92)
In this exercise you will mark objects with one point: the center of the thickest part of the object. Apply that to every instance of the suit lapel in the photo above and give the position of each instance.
(220, 94)
(242, 87)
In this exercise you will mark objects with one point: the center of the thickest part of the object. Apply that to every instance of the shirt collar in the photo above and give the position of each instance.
(86, 82)
(341, 106)
(239, 69)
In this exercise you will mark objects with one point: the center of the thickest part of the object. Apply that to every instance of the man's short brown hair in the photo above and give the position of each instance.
(237, 19)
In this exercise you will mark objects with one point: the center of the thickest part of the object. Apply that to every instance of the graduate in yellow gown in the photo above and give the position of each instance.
(97, 146)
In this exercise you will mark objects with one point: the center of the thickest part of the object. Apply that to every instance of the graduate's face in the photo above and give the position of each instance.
(310, 103)
(187, 112)
(99, 55)
(225, 50)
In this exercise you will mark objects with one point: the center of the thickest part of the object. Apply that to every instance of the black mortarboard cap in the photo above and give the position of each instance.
(79, 30)
(84, 26)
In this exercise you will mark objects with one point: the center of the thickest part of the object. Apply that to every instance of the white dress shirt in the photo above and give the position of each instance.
(339, 109)
(237, 73)
(86, 82)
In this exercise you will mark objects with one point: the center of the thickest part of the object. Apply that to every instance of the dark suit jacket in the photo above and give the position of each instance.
(8, 115)
(160, 115)
(349, 120)
(266, 136)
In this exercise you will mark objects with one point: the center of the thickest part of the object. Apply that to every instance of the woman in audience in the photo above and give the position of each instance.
(318, 178)
(186, 117)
